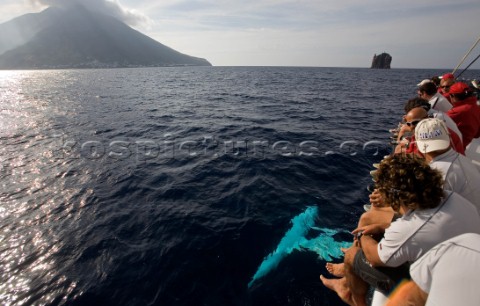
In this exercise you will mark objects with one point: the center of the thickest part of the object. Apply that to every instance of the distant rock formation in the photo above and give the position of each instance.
(76, 37)
(381, 61)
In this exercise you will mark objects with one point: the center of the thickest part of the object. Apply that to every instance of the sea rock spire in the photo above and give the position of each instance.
(381, 61)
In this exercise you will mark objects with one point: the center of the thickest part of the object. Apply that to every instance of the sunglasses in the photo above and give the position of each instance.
(446, 86)
(413, 122)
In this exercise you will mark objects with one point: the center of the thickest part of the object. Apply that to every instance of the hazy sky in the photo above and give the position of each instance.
(324, 33)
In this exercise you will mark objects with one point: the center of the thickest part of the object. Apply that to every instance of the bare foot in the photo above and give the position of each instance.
(337, 270)
(340, 287)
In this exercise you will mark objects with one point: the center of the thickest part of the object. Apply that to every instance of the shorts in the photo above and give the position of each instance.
(384, 279)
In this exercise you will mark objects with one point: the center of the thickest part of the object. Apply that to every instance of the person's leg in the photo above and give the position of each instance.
(357, 286)
(335, 269)
(377, 215)
(340, 287)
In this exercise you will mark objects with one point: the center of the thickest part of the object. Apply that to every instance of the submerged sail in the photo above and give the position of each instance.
(324, 244)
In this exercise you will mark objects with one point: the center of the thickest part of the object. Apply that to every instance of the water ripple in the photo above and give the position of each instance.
(168, 186)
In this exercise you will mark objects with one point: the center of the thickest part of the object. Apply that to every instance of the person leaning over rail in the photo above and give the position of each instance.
(430, 215)
(407, 144)
(446, 275)
(465, 112)
(419, 102)
(428, 90)
(405, 138)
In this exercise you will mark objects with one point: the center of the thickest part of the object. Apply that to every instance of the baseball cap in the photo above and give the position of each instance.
(423, 82)
(458, 88)
(432, 135)
(448, 76)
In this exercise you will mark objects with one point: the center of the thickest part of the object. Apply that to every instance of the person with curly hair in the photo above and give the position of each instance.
(419, 102)
(429, 215)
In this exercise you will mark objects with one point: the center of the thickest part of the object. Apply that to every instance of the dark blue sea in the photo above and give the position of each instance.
(169, 186)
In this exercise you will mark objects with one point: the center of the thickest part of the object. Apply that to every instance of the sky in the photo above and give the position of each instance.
(317, 33)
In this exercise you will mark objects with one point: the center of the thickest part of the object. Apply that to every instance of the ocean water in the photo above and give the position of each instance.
(169, 186)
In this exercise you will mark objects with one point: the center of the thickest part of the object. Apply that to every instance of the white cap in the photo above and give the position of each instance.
(424, 82)
(432, 134)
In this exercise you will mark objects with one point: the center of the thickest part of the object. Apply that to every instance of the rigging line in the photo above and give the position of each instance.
(463, 59)
(468, 66)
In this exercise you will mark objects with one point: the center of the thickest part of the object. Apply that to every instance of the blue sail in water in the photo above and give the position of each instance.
(324, 245)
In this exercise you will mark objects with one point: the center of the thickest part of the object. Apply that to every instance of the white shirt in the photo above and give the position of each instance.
(460, 175)
(440, 103)
(409, 237)
(449, 272)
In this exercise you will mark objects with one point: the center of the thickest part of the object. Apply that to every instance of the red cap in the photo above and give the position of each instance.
(448, 76)
(458, 88)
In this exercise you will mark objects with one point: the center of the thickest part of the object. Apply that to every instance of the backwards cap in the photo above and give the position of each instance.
(432, 135)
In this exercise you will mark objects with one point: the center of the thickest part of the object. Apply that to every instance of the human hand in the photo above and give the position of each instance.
(404, 129)
(371, 229)
(376, 199)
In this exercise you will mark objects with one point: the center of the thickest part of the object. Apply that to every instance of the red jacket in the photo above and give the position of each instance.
(466, 115)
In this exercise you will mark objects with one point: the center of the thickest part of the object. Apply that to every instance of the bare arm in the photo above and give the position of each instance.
(368, 244)
(403, 130)
(369, 247)
(372, 229)
(376, 198)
